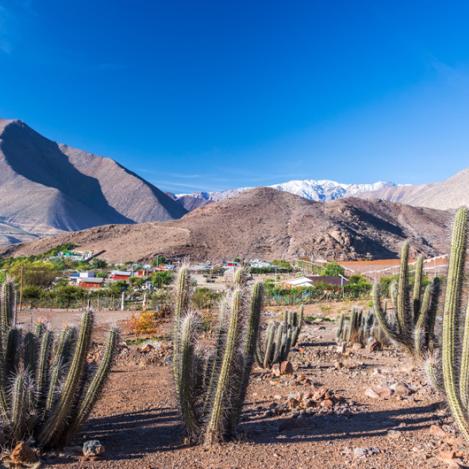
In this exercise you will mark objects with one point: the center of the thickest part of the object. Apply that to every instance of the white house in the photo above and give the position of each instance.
(299, 282)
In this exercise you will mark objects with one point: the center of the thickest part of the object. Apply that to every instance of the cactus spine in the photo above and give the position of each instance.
(211, 384)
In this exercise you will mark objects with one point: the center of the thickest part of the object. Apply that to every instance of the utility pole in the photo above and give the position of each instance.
(21, 289)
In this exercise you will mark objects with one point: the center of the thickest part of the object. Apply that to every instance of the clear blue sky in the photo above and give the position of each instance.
(215, 94)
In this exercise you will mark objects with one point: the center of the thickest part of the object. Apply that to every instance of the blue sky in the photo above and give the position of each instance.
(208, 95)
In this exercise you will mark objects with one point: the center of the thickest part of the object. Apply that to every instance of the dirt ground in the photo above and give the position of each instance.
(380, 413)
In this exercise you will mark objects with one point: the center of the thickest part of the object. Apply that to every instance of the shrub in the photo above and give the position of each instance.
(332, 269)
(162, 279)
(143, 323)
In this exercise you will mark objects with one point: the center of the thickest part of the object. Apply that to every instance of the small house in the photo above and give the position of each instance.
(120, 275)
(91, 282)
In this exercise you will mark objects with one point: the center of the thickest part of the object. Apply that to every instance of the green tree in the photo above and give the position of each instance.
(161, 279)
(332, 269)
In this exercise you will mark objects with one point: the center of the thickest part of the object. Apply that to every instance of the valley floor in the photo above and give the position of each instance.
(372, 410)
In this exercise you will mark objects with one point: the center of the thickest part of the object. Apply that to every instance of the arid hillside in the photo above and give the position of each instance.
(269, 224)
(45, 186)
(448, 194)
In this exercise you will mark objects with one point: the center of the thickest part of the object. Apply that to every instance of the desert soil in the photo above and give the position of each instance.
(363, 410)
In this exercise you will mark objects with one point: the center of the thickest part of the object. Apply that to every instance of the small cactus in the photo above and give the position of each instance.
(415, 313)
(211, 384)
(279, 338)
(358, 327)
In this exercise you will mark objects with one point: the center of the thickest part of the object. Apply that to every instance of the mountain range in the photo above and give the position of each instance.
(321, 190)
(47, 188)
(267, 223)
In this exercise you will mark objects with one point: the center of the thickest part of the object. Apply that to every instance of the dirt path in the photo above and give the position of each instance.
(138, 423)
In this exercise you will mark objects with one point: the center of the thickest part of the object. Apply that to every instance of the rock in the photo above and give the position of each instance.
(436, 430)
(275, 370)
(286, 368)
(364, 452)
(338, 365)
(341, 348)
(92, 449)
(401, 389)
(450, 458)
(394, 433)
(374, 346)
(327, 404)
(23, 454)
(147, 348)
(370, 392)
(357, 346)
(293, 403)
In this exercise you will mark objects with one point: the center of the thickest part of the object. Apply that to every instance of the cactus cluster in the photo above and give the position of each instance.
(47, 388)
(279, 338)
(415, 308)
(212, 380)
(359, 327)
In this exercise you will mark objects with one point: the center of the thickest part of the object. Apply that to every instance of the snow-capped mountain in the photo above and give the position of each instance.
(320, 190)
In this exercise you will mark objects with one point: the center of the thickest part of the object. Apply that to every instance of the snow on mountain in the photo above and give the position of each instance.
(318, 190)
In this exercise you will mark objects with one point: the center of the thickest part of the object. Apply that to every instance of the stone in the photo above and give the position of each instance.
(286, 368)
(370, 392)
(401, 389)
(23, 454)
(275, 370)
(327, 404)
(341, 348)
(364, 452)
(92, 449)
(436, 430)
(293, 403)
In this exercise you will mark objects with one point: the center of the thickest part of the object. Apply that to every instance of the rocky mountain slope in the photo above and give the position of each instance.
(44, 186)
(448, 194)
(268, 223)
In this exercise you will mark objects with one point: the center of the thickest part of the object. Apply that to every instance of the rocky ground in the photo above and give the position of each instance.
(357, 409)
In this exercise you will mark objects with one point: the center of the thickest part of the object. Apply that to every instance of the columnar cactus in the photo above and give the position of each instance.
(279, 338)
(211, 383)
(47, 388)
(415, 314)
(455, 336)
(358, 327)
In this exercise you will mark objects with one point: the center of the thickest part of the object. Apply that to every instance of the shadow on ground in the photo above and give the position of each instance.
(131, 435)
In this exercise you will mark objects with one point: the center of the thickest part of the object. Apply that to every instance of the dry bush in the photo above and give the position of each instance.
(144, 322)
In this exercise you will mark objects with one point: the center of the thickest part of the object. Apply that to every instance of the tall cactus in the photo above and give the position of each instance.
(455, 361)
(211, 384)
(50, 388)
(415, 314)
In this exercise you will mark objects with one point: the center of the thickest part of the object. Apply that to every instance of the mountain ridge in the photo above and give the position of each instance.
(267, 223)
(49, 186)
